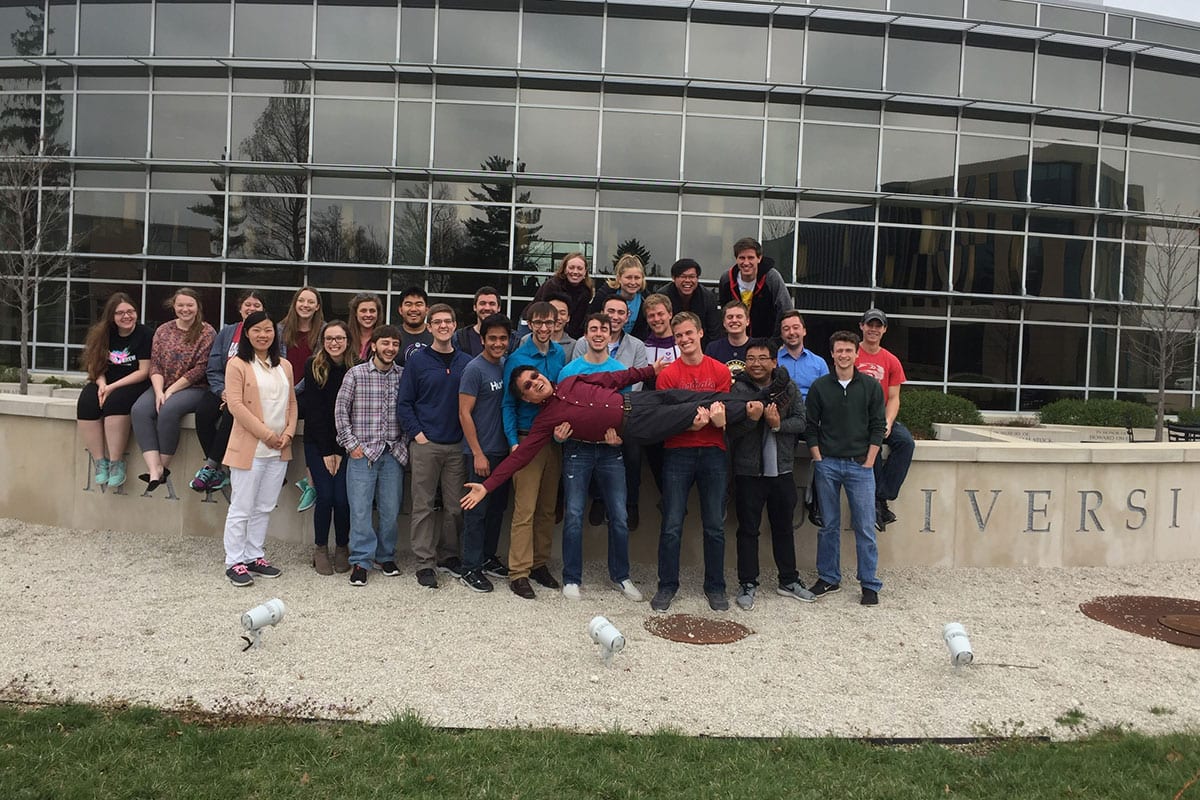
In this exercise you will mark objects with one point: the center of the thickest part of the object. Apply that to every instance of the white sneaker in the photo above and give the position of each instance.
(571, 591)
(630, 591)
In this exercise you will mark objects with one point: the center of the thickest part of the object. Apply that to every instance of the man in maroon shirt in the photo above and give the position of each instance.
(591, 408)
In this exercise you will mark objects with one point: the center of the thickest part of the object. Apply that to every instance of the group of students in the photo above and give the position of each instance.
(556, 403)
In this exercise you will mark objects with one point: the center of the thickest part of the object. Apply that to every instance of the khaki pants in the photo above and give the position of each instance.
(535, 491)
(430, 465)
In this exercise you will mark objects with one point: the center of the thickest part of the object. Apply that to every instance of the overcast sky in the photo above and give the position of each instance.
(1182, 9)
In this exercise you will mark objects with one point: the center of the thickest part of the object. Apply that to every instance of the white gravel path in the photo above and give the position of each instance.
(100, 615)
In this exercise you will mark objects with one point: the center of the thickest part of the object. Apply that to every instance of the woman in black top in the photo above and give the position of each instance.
(323, 374)
(116, 356)
(573, 281)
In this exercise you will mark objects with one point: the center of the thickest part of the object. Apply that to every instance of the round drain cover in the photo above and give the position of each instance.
(691, 629)
(1148, 616)
(1184, 623)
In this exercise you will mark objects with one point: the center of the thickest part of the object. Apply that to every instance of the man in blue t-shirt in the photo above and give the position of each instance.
(479, 397)
(731, 350)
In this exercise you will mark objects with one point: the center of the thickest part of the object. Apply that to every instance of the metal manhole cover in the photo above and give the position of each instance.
(1168, 619)
(690, 629)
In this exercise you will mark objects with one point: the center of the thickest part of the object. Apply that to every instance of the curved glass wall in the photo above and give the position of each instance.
(996, 174)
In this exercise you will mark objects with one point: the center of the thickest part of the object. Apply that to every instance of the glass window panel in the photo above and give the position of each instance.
(1116, 84)
(416, 32)
(851, 57)
(112, 125)
(352, 187)
(783, 144)
(20, 122)
(207, 82)
(273, 226)
(1120, 26)
(994, 169)
(728, 51)
(273, 29)
(1166, 33)
(843, 110)
(353, 132)
(655, 232)
(412, 223)
(708, 239)
(187, 224)
(709, 157)
(617, 198)
(188, 126)
(1106, 283)
(914, 214)
(191, 29)
(917, 259)
(559, 141)
(998, 69)
(165, 179)
(987, 262)
(61, 36)
(114, 29)
(640, 145)
(699, 102)
(169, 274)
(109, 222)
(560, 195)
(273, 129)
(1068, 77)
(726, 204)
(412, 134)
(1064, 174)
(939, 8)
(1072, 20)
(341, 84)
(995, 123)
(991, 219)
(1063, 130)
(906, 115)
(568, 41)
(1003, 11)
(787, 53)
(479, 36)
(349, 231)
(259, 276)
(562, 231)
(1103, 369)
(983, 352)
(357, 30)
(1171, 91)
(839, 157)
(779, 243)
(645, 46)
(1059, 268)
(21, 29)
(926, 65)
(119, 80)
(540, 94)
(1054, 356)
(270, 82)
(469, 236)
(469, 135)
(658, 100)
(1056, 312)
(834, 255)
(917, 163)
(1168, 181)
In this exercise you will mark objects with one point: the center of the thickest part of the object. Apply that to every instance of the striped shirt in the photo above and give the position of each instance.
(365, 412)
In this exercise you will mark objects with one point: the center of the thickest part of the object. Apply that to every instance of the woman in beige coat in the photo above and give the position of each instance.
(258, 393)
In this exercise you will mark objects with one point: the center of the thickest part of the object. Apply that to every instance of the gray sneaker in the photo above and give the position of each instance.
(662, 600)
(797, 591)
(745, 598)
(717, 601)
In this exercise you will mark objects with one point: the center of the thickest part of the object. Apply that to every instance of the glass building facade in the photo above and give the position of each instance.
(992, 173)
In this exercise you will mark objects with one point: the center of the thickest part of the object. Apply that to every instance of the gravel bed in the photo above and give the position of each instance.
(101, 616)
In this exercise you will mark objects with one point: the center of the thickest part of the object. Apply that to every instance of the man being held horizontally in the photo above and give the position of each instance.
(845, 428)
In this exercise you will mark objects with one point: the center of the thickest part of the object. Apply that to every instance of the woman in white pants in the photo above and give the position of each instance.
(258, 393)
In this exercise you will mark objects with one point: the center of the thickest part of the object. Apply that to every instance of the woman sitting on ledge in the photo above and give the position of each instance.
(116, 356)
(178, 357)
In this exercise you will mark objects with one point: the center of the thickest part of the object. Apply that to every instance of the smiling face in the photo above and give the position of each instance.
(631, 281)
(617, 311)
(686, 282)
(597, 335)
(687, 339)
(543, 328)
(261, 336)
(335, 341)
(385, 349)
(747, 264)
(575, 270)
(844, 354)
(185, 308)
(735, 321)
(442, 326)
(486, 305)
(367, 314)
(125, 318)
(249, 306)
(792, 331)
(307, 304)
(658, 318)
(562, 316)
(759, 364)
(412, 312)
(872, 333)
(535, 387)
(495, 344)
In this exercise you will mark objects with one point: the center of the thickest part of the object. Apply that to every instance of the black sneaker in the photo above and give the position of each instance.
(521, 588)
(662, 600)
(632, 517)
(542, 575)
(814, 515)
(427, 578)
(823, 586)
(495, 568)
(389, 568)
(452, 566)
(475, 581)
(717, 601)
(870, 597)
(263, 569)
(239, 575)
(883, 512)
(358, 576)
(596, 513)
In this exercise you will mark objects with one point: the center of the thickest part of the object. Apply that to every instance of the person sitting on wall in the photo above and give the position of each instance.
(875, 360)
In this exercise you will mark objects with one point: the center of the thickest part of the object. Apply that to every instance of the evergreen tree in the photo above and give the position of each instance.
(488, 238)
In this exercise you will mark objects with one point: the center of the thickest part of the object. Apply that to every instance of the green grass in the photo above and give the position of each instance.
(74, 751)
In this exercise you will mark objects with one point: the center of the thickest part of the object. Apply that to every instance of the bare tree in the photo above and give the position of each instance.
(33, 225)
(1164, 302)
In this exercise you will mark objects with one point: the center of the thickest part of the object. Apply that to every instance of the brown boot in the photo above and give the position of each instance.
(320, 561)
(341, 559)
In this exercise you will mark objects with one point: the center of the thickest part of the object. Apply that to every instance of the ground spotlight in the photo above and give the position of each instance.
(960, 646)
(257, 618)
(605, 634)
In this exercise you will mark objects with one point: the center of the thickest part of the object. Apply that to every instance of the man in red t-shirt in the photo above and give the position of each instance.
(696, 456)
(880, 364)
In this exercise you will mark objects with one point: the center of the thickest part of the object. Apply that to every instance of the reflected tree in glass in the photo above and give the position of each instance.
(21, 114)
(633, 247)
(487, 237)
(214, 210)
(342, 241)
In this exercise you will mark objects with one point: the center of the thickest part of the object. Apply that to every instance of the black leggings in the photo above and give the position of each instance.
(213, 440)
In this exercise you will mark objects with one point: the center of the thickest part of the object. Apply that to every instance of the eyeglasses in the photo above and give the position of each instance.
(130, 313)
(333, 339)
(758, 359)
(688, 276)
(442, 322)
(541, 323)
(528, 384)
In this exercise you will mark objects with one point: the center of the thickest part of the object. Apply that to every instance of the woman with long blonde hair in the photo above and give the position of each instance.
(629, 283)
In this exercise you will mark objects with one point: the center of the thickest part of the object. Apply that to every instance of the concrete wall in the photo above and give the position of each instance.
(965, 503)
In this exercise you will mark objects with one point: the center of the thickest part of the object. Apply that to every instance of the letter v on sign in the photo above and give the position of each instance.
(980, 520)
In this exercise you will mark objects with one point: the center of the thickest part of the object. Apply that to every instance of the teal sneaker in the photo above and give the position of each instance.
(102, 466)
(308, 495)
(116, 474)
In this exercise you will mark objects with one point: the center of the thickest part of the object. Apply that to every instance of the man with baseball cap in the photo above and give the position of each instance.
(876, 361)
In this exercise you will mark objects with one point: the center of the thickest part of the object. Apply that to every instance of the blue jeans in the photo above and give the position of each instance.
(581, 463)
(332, 502)
(682, 467)
(890, 473)
(382, 482)
(831, 476)
(481, 524)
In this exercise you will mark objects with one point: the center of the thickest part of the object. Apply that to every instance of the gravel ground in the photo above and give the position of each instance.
(100, 616)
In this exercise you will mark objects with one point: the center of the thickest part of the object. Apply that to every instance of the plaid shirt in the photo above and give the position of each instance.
(365, 412)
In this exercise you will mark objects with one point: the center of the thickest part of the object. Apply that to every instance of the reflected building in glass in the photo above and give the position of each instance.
(989, 172)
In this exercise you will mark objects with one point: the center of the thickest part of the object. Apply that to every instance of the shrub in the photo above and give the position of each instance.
(1189, 416)
(1099, 412)
(921, 408)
